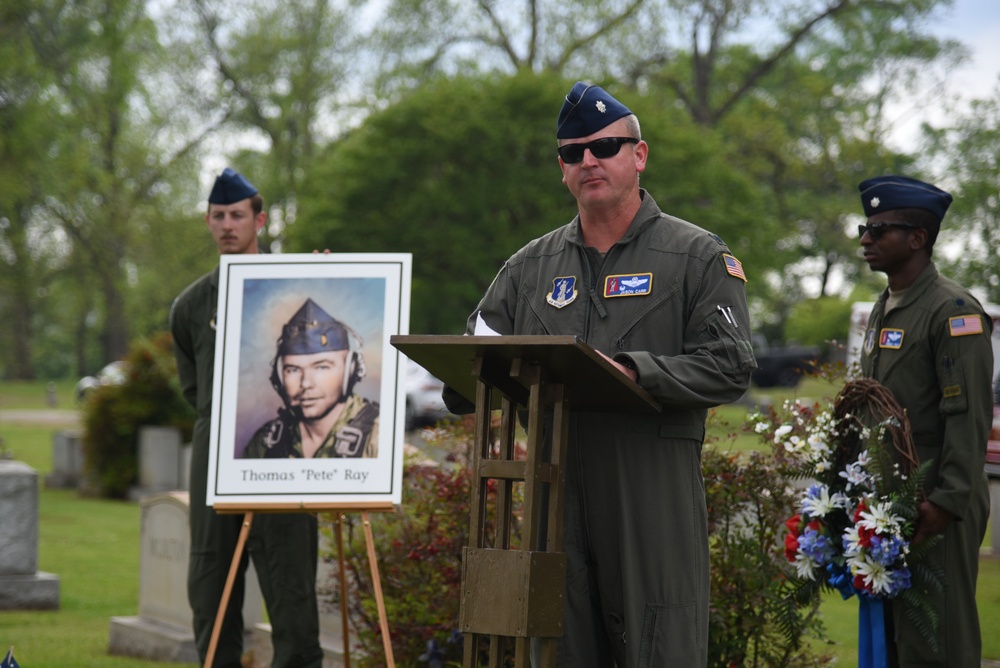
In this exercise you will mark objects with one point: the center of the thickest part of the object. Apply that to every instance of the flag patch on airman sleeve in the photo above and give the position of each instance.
(733, 267)
(963, 325)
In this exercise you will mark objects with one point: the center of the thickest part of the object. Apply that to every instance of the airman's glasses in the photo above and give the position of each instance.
(606, 147)
(877, 230)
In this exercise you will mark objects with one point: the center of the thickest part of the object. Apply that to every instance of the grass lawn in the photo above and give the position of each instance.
(92, 545)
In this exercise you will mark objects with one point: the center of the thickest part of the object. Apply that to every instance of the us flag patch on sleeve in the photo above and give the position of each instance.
(963, 325)
(733, 267)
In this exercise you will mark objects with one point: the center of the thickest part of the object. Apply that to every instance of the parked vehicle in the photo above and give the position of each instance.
(782, 366)
(114, 373)
(993, 446)
(424, 405)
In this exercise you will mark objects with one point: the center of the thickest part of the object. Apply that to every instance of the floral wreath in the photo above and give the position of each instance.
(858, 513)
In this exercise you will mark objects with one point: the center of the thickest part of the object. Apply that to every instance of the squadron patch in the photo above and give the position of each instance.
(563, 291)
(869, 341)
(628, 285)
(733, 267)
(891, 338)
(964, 325)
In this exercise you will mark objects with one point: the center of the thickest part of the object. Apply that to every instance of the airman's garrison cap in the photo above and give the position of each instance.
(586, 110)
(312, 330)
(230, 187)
(885, 193)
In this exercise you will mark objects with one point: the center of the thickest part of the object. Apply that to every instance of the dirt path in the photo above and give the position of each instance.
(48, 416)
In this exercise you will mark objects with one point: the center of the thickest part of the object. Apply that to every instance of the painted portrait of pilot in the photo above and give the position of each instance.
(318, 362)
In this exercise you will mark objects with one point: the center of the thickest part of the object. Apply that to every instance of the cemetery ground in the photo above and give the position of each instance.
(92, 546)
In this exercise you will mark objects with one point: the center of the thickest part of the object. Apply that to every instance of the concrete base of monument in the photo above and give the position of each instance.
(331, 642)
(37, 591)
(145, 638)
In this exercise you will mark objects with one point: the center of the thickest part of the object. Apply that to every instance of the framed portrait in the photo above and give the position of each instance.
(309, 397)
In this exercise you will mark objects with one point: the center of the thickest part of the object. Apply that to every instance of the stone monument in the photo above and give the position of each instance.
(162, 630)
(22, 585)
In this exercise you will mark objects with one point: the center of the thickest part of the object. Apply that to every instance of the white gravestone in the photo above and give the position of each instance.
(163, 629)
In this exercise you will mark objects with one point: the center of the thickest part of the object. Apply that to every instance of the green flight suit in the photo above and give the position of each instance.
(668, 298)
(284, 547)
(933, 352)
(354, 434)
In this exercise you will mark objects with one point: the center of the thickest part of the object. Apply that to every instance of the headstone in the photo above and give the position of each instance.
(22, 585)
(67, 459)
(162, 631)
(159, 461)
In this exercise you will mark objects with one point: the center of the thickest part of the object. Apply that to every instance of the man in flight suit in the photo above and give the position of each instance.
(318, 363)
(283, 546)
(666, 302)
(928, 342)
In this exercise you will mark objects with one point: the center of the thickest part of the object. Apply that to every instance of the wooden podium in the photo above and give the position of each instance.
(517, 592)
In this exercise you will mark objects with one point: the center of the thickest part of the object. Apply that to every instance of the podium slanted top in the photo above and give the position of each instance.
(591, 382)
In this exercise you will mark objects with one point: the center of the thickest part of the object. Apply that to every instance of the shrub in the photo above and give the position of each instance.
(754, 618)
(113, 414)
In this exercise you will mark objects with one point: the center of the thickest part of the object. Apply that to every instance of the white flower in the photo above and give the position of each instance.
(856, 473)
(804, 567)
(818, 502)
(794, 444)
(879, 518)
(781, 431)
(875, 574)
(761, 427)
(852, 541)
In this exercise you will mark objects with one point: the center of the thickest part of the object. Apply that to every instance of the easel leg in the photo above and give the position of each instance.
(227, 592)
(377, 586)
(343, 591)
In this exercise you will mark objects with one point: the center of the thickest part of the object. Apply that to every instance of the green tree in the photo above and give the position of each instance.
(463, 172)
(971, 150)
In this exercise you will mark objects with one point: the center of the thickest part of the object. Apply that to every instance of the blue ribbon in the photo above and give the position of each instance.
(841, 580)
(872, 651)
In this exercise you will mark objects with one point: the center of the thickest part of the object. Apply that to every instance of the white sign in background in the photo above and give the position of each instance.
(258, 294)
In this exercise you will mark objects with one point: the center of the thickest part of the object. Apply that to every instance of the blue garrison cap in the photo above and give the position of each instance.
(312, 330)
(230, 187)
(885, 193)
(586, 110)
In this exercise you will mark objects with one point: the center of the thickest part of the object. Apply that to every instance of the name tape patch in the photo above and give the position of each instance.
(628, 285)
(891, 338)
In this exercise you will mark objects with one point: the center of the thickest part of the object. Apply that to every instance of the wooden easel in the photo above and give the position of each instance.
(248, 514)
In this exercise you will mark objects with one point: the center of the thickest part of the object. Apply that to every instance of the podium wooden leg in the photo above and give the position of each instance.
(377, 586)
(228, 590)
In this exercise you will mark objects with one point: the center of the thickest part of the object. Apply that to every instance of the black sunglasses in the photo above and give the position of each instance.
(876, 231)
(606, 147)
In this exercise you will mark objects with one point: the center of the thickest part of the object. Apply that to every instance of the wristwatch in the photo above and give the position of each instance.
(628, 363)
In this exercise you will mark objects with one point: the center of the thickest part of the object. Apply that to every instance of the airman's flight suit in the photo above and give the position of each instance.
(284, 546)
(933, 352)
(670, 299)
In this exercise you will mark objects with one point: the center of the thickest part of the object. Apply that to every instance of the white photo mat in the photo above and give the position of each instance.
(258, 294)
